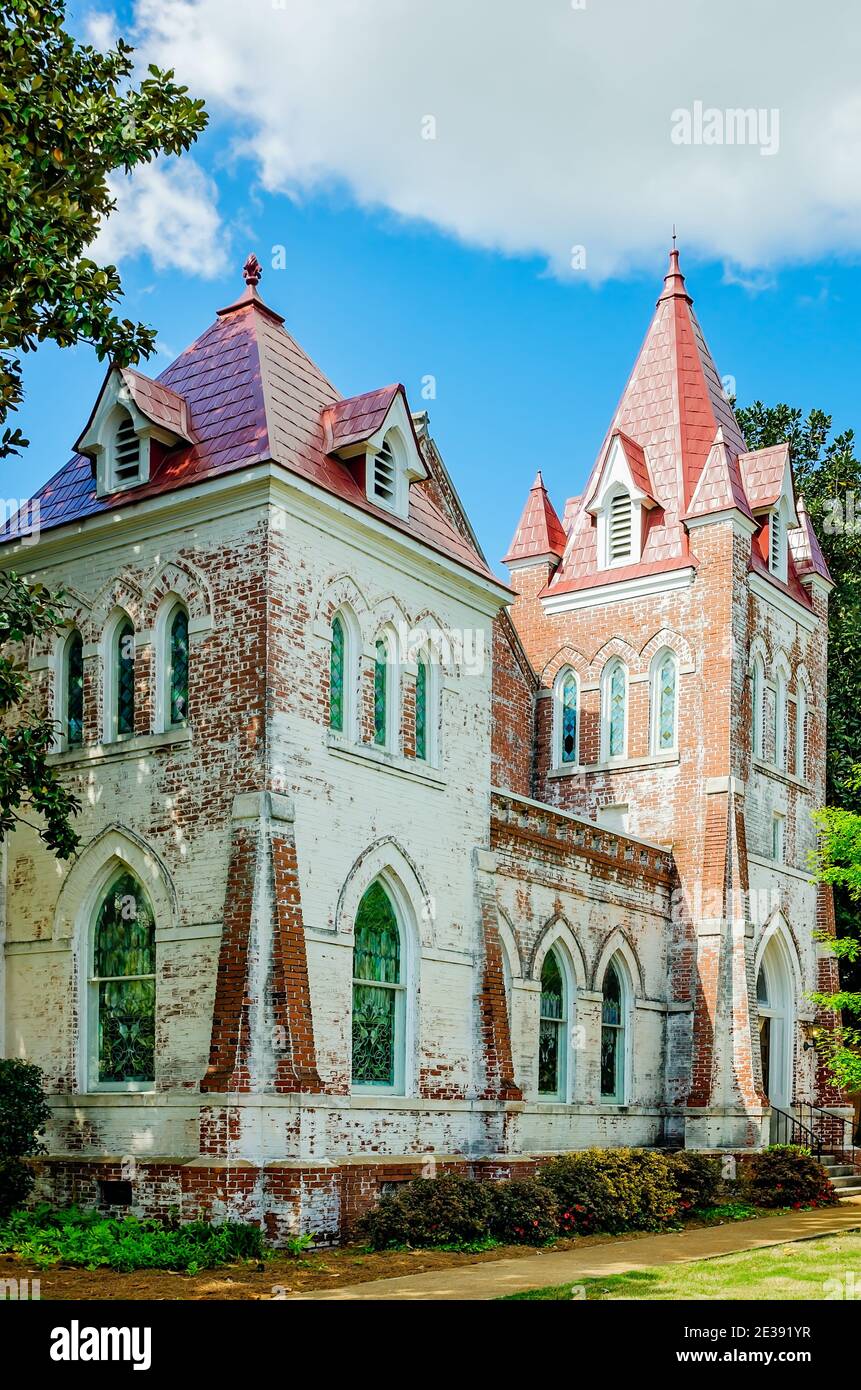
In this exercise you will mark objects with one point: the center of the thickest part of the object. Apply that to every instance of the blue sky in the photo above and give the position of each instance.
(528, 360)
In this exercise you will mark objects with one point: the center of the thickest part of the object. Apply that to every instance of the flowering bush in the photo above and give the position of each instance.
(447, 1210)
(786, 1175)
(698, 1178)
(612, 1190)
(524, 1212)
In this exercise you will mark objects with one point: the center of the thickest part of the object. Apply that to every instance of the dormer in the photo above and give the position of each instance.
(769, 485)
(375, 435)
(131, 411)
(621, 494)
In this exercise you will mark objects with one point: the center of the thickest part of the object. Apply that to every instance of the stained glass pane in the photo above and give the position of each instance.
(381, 684)
(336, 677)
(569, 720)
(617, 712)
(609, 1060)
(126, 679)
(421, 708)
(75, 690)
(667, 705)
(179, 667)
(611, 1009)
(377, 961)
(124, 947)
(612, 1030)
(551, 1026)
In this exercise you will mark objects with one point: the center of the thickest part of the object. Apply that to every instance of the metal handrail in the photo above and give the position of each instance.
(837, 1132)
(790, 1130)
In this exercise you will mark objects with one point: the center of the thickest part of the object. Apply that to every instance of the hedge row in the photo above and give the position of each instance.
(592, 1190)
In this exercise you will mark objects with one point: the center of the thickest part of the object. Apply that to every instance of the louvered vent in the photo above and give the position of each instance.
(127, 453)
(384, 475)
(620, 527)
(775, 544)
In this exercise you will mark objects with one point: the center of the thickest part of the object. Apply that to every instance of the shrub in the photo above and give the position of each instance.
(786, 1175)
(448, 1210)
(612, 1190)
(23, 1115)
(698, 1178)
(45, 1237)
(524, 1212)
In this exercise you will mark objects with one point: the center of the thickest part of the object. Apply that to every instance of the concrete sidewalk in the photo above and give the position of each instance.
(497, 1278)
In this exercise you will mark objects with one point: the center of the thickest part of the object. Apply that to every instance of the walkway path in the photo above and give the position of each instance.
(497, 1278)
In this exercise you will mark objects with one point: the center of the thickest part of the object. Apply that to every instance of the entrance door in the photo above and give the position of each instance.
(775, 999)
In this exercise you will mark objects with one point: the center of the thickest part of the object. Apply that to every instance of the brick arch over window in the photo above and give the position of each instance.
(339, 592)
(122, 592)
(567, 655)
(386, 860)
(555, 931)
(179, 580)
(616, 649)
(508, 936)
(673, 641)
(618, 943)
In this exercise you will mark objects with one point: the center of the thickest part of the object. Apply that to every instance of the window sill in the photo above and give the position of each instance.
(616, 765)
(381, 761)
(134, 746)
(780, 775)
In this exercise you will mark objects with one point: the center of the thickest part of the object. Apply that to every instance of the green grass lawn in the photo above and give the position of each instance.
(804, 1269)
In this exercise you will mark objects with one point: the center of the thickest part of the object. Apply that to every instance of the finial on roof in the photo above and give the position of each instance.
(674, 280)
(674, 236)
(252, 270)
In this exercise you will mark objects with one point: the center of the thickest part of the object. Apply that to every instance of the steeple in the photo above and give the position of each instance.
(539, 534)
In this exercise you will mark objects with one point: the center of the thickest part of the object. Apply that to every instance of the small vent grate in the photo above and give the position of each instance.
(775, 544)
(384, 475)
(620, 527)
(127, 453)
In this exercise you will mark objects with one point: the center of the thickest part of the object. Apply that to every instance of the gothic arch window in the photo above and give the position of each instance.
(614, 718)
(176, 668)
(801, 733)
(118, 669)
(337, 675)
(379, 995)
(758, 705)
(780, 711)
(72, 691)
(665, 702)
(422, 707)
(122, 989)
(552, 1029)
(614, 1033)
(385, 693)
(566, 719)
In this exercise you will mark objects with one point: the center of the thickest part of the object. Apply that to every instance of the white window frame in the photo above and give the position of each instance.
(92, 1084)
(398, 503)
(758, 706)
(434, 705)
(655, 703)
(801, 732)
(405, 1003)
(781, 694)
(606, 682)
(778, 837)
(625, 1053)
(393, 691)
(562, 677)
(163, 624)
(61, 691)
(562, 1092)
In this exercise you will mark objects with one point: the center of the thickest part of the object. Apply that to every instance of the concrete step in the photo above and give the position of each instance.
(844, 1192)
(847, 1180)
(839, 1170)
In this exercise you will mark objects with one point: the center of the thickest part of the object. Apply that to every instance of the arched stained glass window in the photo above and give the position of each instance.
(551, 1035)
(617, 713)
(666, 705)
(336, 676)
(381, 693)
(378, 993)
(613, 1036)
(422, 708)
(569, 719)
(179, 667)
(758, 706)
(123, 985)
(125, 677)
(75, 690)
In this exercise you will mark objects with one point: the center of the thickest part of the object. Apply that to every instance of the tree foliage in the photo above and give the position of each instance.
(70, 117)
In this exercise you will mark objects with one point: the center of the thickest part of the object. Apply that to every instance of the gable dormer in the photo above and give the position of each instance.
(623, 491)
(375, 434)
(769, 485)
(131, 411)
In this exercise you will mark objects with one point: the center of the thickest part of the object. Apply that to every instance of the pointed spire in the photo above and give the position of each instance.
(806, 550)
(252, 272)
(720, 487)
(674, 280)
(540, 534)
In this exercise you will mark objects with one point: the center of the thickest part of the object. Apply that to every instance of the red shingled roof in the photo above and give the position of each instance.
(539, 531)
(355, 419)
(672, 407)
(720, 487)
(805, 551)
(251, 394)
(763, 472)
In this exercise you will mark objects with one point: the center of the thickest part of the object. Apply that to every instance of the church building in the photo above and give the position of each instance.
(388, 867)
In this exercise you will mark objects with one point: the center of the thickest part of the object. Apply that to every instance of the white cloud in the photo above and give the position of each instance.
(553, 121)
(168, 211)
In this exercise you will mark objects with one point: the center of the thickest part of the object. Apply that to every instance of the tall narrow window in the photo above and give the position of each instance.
(780, 721)
(569, 718)
(664, 704)
(422, 708)
(125, 678)
(336, 676)
(179, 668)
(551, 1036)
(75, 690)
(757, 706)
(801, 734)
(615, 711)
(381, 693)
(378, 994)
(620, 535)
(613, 1036)
(122, 987)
